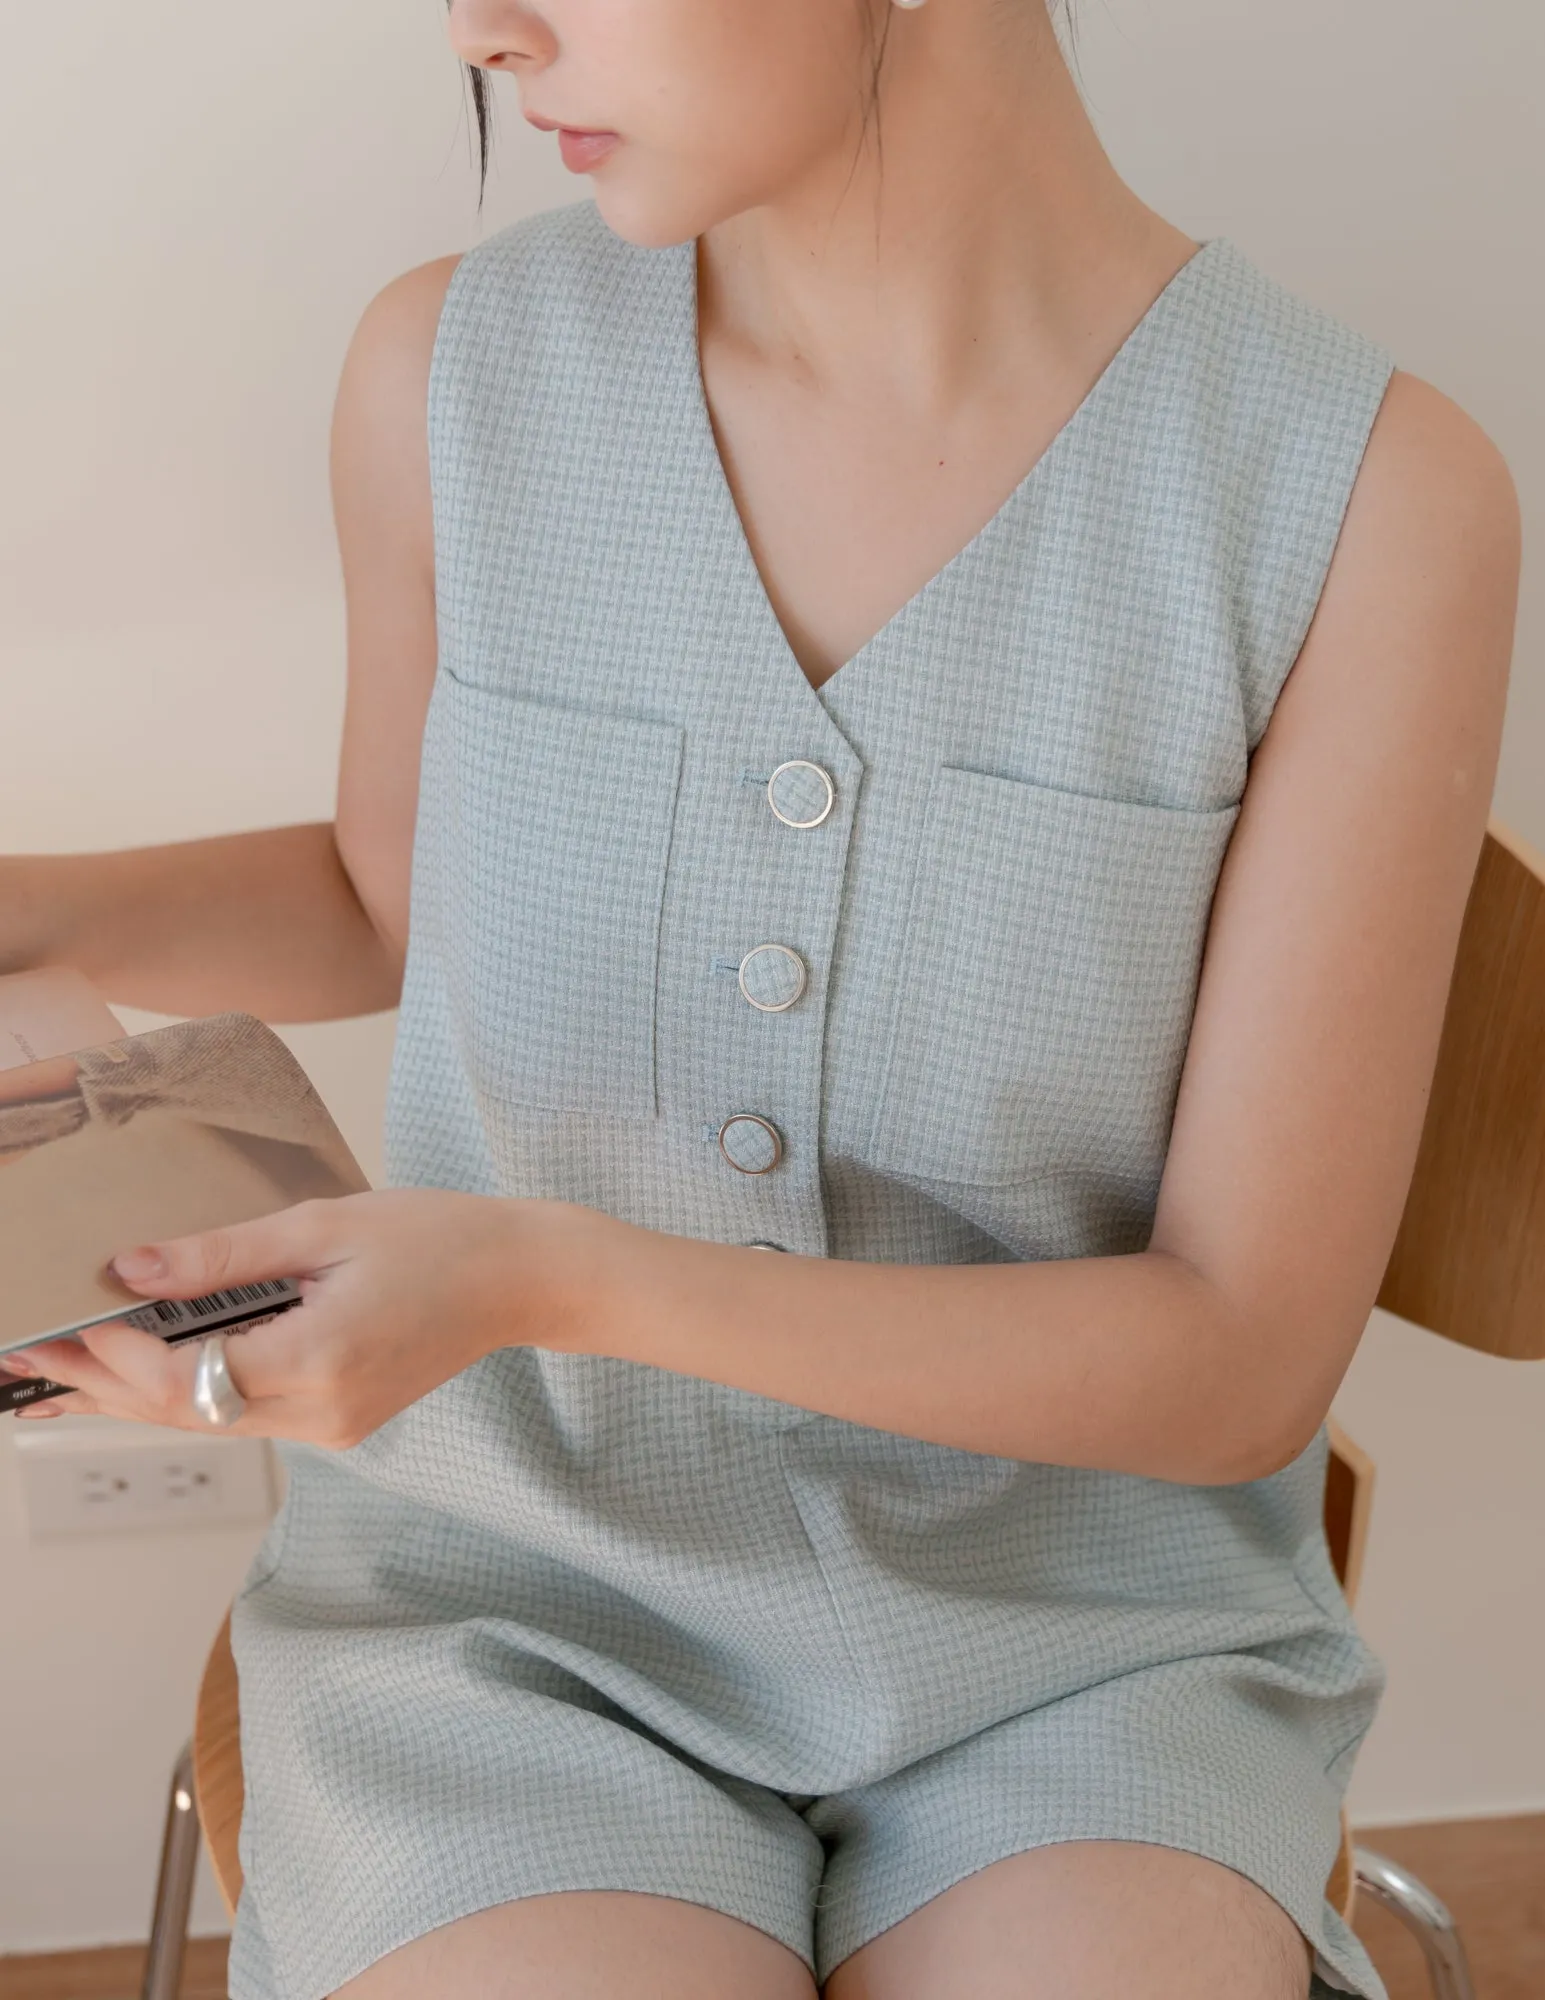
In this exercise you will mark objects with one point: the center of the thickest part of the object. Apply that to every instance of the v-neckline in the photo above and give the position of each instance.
(1055, 448)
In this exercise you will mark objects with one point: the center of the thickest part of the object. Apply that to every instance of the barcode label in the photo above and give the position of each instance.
(166, 1315)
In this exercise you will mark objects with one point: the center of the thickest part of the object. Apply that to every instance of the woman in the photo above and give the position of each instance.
(864, 563)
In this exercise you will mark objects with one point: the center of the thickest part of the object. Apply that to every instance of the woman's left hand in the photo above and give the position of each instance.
(401, 1291)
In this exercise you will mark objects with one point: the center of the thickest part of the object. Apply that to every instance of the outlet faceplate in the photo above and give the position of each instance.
(80, 1479)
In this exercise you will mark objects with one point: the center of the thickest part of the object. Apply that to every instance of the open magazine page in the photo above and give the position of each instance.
(190, 1127)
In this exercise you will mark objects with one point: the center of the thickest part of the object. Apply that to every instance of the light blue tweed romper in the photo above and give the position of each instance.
(577, 1623)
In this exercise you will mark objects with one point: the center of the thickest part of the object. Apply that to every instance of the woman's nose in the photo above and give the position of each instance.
(501, 34)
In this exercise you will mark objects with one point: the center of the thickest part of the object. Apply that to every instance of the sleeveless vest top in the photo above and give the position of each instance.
(1027, 779)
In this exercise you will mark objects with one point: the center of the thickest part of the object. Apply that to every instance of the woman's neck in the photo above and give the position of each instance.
(976, 221)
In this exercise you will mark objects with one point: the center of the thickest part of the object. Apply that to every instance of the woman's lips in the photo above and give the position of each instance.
(583, 152)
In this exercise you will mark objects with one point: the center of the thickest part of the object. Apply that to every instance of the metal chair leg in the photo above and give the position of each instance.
(1424, 1916)
(174, 1887)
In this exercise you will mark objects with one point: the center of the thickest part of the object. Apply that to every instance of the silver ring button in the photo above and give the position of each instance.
(752, 1145)
(772, 977)
(800, 793)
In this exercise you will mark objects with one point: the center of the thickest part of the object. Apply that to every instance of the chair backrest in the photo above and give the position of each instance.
(217, 1775)
(1349, 1475)
(1469, 1261)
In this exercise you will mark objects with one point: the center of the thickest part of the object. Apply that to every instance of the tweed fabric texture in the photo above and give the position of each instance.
(571, 1622)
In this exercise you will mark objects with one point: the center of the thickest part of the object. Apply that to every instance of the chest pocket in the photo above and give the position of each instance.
(556, 829)
(1047, 983)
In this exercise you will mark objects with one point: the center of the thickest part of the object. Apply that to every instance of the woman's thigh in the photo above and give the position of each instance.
(588, 1945)
(1084, 1921)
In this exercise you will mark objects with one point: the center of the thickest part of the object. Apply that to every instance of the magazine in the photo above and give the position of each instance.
(135, 1138)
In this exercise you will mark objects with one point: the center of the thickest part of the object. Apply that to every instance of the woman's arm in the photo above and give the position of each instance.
(299, 922)
(269, 922)
(1214, 1355)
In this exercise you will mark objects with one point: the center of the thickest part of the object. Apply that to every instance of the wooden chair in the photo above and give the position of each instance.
(1468, 1263)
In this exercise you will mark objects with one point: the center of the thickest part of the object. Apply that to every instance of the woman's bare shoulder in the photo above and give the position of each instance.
(1428, 458)
(1416, 617)
(406, 312)
(394, 341)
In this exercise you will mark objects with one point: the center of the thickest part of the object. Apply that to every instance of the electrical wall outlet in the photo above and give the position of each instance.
(85, 1480)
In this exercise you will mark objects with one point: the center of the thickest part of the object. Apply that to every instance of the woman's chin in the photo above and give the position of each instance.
(649, 216)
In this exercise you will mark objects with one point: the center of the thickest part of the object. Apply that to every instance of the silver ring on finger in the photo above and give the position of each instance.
(216, 1398)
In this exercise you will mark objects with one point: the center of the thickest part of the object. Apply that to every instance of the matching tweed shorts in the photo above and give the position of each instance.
(419, 1748)
(591, 1802)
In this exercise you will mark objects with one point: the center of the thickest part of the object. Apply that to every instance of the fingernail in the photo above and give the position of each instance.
(138, 1267)
(31, 1413)
(13, 1364)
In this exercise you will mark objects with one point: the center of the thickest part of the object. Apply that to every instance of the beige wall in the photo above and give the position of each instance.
(197, 204)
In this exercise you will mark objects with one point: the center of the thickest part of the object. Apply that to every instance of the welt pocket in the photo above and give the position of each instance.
(554, 829)
(1046, 982)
